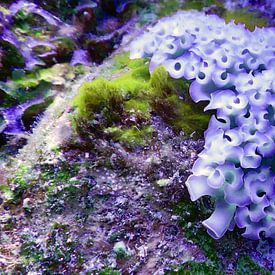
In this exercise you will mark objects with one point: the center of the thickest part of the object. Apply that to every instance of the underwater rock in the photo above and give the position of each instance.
(31, 114)
(85, 17)
(81, 57)
(95, 22)
(15, 116)
(31, 36)
(26, 95)
(123, 107)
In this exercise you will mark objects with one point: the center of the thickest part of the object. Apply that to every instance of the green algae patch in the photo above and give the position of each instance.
(250, 19)
(196, 268)
(138, 106)
(182, 116)
(106, 271)
(64, 190)
(59, 251)
(95, 96)
(7, 192)
(53, 75)
(23, 86)
(121, 61)
(122, 108)
(132, 83)
(133, 136)
(11, 58)
(167, 7)
(64, 44)
(199, 5)
(12, 191)
(106, 105)
(246, 265)
(170, 100)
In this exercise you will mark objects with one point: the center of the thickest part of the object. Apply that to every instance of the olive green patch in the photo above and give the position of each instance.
(123, 107)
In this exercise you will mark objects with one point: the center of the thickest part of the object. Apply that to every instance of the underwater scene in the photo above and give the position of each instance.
(137, 137)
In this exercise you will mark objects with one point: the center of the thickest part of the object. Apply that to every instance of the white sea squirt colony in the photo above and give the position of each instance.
(234, 70)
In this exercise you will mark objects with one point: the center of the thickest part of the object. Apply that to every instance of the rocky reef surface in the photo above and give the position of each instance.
(94, 163)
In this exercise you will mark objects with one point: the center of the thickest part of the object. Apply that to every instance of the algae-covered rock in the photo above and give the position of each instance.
(124, 106)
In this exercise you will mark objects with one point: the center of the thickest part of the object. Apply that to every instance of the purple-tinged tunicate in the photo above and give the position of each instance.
(233, 69)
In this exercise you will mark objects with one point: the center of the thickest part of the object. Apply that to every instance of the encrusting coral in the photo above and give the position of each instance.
(233, 69)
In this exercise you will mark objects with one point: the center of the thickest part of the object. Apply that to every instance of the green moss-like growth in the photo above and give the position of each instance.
(17, 185)
(250, 19)
(95, 96)
(106, 271)
(167, 7)
(59, 251)
(170, 100)
(132, 136)
(121, 61)
(200, 4)
(134, 82)
(105, 105)
(196, 268)
(138, 106)
(122, 107)
(63, 188)
(245, 265)
(10, 59)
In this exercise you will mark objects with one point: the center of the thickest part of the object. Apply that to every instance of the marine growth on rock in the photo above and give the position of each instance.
(35, 34)
(233, 69)
(42, 38)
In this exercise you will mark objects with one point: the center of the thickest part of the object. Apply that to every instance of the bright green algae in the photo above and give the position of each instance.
(126, 104)
(250, 18)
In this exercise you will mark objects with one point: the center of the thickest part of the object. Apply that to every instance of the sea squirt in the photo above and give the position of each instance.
(233, 69)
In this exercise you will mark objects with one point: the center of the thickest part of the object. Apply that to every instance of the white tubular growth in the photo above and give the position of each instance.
(234, 70)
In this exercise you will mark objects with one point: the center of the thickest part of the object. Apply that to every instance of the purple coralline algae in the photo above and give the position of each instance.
(234, 70)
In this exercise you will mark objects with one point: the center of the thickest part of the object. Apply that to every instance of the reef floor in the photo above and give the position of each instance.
(72, 207)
